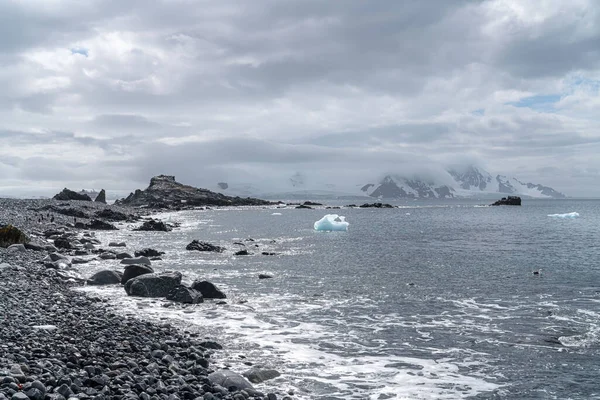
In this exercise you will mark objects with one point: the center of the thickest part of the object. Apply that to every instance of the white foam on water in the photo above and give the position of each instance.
(567, 215)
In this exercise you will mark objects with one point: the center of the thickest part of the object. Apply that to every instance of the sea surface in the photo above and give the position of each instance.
(426, 301)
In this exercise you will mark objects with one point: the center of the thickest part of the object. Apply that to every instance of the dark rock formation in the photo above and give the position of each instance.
(241, 253)
(304, 206)
(98, 224)
(165, 192)
(154, 225)
(148, 253)
(67, 194)
(135, 270)
(376, 205)
(153, 285)
(184, 294)
(264, 276)
(112, 215)
(223, 185)
(101, 198)
(208, 290)
(508, 201)
(62, 243)
(204, 246)
(105, 277)
(311, 203)
(11, 235)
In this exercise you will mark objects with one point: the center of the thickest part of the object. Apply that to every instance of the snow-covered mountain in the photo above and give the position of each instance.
(404, 188)
(456, 182)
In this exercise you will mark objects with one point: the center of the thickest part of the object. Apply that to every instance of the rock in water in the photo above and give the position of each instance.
(184, 294)
(137, 260)
(165, 192)
(508, 201)
(204, 246)
(133, 271)
(154, 225)
(227, 379)
(258, 375)
(101, 198)
(208, 290)
(153, 285)
(105, 277)
(149, 253)
(11, 235)
(67, 194)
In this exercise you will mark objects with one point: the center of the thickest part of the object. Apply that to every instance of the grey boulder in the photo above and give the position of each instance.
(184, 294)
(153, 285)
(133, 271)
(105, 277)
(227, 379)
(208, 290)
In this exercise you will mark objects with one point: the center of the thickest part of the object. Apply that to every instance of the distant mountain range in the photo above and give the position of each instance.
(456, 182)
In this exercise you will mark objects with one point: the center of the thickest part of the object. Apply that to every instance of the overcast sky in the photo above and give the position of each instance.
(107, 93)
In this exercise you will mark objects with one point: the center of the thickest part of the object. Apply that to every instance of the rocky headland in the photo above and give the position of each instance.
(164, 192)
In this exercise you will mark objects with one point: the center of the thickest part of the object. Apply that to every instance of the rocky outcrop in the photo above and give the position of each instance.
(258, 375)
(137, 260)
(11, 235)
(165, 192)
(376, 205)
(204, 246)
(153, 285)
(208, 290)
(101, 198)
(223, 185)
(113, 215)
(67, 194)
(508, 201)
(154, 225)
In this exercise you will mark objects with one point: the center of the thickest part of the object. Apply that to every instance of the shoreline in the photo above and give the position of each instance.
(58, 343)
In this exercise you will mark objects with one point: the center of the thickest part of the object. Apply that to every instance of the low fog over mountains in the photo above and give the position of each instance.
(454, 182)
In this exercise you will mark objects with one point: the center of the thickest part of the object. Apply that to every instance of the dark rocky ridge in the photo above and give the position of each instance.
(508, 201)
(165, 192)
(67, 194)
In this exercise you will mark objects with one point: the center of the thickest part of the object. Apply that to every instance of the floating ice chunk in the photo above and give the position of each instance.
(567, 215)
(332, 222)
(276, 214)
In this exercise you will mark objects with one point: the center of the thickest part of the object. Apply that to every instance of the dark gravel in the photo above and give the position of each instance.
(58, 343)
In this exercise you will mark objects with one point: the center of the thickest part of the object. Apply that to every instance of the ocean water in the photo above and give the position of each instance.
(427, 301)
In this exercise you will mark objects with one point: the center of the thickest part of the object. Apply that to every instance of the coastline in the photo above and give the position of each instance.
(57, 342)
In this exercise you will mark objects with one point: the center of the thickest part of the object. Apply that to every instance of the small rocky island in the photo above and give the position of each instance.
(165, 192)
(508, 201)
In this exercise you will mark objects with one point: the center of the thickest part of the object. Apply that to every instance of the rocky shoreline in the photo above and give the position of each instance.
(58, 343)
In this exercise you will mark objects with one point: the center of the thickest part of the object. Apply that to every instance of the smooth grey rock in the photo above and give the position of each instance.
(184, 294)
(117, 244)
(19, 396)
(136, 260)
(153, 285)
(133, 271)
(227, 379)
(208, 290)
(105, 277)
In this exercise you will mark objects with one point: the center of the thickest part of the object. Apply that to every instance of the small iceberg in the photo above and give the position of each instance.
(276, 214)
(332, 222)
(567, 215)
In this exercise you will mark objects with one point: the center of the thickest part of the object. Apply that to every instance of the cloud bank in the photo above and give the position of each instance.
(109, 93)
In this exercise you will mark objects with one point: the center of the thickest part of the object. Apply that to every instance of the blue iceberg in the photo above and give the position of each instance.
(332, 222)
